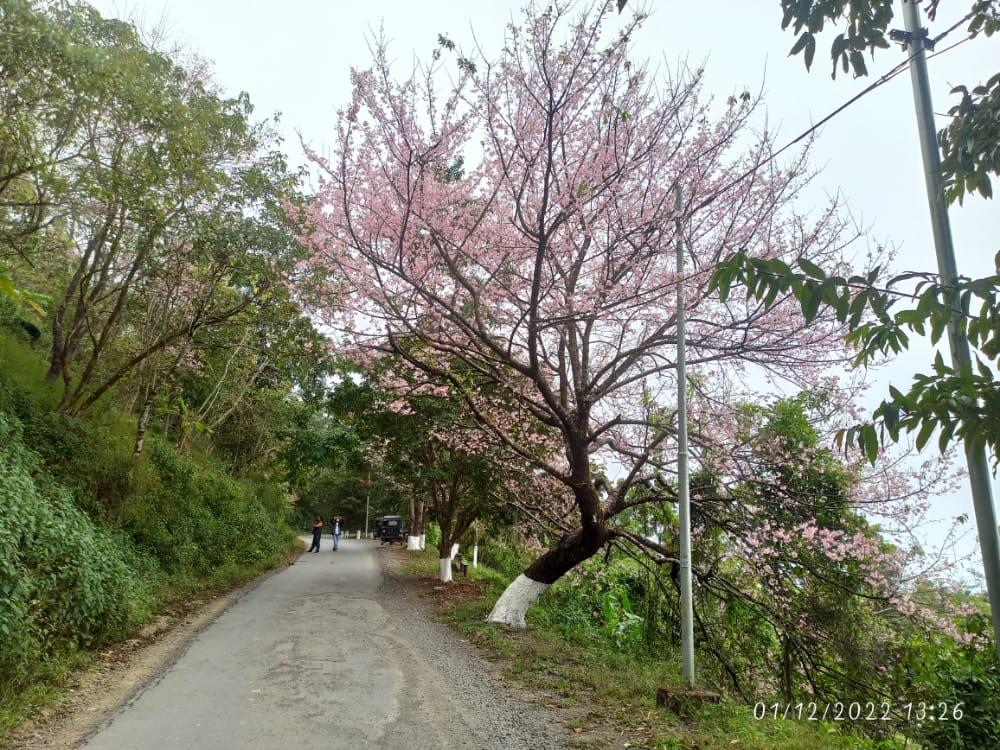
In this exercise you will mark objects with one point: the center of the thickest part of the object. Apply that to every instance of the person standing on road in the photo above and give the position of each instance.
(337, 523)
(317, 533)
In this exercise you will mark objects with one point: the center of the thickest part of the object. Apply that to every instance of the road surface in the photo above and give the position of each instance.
(326, 654)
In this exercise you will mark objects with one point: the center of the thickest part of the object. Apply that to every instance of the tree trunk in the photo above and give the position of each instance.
(140, 433)
(786, 668)
(73, 298)
(415, 539)
(445, 546)
(522, 592)
(445, 565)
(513, 604)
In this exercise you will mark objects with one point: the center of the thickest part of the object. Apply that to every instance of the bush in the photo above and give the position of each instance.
(503, 555)
(63, 580)
(197, 520)
(79, 454)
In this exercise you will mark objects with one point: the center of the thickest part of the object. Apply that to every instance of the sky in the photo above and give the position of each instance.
(295, 57)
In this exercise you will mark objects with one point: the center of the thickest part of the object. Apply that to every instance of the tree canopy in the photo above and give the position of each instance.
(510, 233)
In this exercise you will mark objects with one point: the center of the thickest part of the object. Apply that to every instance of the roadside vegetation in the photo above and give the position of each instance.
(90, 552)
(148, 351)
(171, 416)
(592, 650)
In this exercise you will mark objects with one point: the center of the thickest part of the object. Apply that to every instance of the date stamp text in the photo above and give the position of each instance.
(919, 711)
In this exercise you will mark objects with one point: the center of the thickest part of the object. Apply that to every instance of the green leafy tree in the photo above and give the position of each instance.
(791, 591)
(958, 402)
(162, 194)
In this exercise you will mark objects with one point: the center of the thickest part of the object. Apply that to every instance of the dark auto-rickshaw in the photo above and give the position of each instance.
(390, 529)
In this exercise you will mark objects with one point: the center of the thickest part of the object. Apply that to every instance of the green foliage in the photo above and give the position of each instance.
(970, 145)
(88, 549)
(82, 456)
(569, 656)
(866, 30)
(593, 603)
(943, 675)
(960, 404)
(503, 554)
(169, 202)
(64, 583)
(172, 204)
(456, 483)
(196, 520)
(433, 535)
(620, 623)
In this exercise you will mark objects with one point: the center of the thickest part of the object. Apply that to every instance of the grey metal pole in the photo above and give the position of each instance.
(683, 487)
(979, 475)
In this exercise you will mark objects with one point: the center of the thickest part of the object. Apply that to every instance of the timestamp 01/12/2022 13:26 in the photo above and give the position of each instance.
(919, 711)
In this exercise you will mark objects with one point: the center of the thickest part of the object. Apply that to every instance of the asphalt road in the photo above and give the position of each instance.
(317, 656)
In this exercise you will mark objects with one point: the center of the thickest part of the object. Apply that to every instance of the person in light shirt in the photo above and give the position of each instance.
(338, 525)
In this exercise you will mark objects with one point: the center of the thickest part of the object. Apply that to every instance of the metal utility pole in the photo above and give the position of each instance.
(683, 488)
(979, 475)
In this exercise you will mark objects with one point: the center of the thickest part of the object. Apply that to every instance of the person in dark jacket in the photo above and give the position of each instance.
(317, 533)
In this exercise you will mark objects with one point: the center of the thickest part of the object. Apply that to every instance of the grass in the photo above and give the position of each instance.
(28, 367)
(607, 697)
(20, 702)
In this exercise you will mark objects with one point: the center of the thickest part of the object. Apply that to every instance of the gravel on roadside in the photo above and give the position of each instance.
(499, 720)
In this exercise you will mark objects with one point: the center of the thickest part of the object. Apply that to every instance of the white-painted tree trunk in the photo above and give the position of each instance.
(454, 551)
(514, 602)
(445, 569)
(413, 543)
(423, 542)
(475, 556)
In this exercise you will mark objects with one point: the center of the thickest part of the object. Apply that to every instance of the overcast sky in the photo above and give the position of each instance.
(295, 56)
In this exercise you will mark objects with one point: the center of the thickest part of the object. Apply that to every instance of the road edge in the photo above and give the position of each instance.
(122, 672)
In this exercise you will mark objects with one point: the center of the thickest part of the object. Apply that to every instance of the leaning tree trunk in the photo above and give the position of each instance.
(571, 550)
(522, 592)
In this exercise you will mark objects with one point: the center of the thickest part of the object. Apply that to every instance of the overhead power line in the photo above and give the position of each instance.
(895, 71)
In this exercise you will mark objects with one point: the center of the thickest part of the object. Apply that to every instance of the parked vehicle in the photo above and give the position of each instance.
(390, 529)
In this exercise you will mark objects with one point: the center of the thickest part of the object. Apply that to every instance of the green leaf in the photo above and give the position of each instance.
(811, 268)
(858, 63)
(8, 289)
(800, 44)
(947, 430)
(810, 51)
(857, 309)
(890, 415)
(926, 430)
(811, 300)
(869, 439)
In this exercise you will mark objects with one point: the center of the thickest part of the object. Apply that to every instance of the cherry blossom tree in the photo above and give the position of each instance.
(512, 229)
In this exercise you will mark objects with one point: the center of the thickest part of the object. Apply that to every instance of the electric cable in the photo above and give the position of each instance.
(895, 71)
